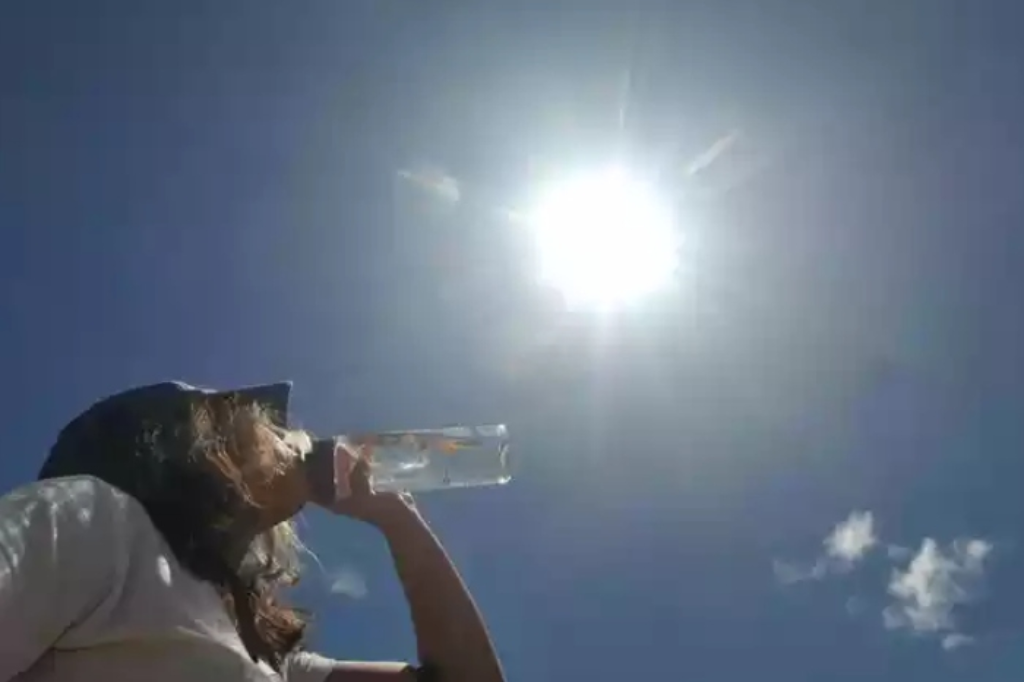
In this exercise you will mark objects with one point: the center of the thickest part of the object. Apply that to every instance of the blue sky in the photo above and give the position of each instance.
(207, 191)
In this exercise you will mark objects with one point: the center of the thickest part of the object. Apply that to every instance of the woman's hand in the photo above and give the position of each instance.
(378, 509)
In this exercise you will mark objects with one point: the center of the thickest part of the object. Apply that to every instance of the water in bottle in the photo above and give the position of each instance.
(412, 461)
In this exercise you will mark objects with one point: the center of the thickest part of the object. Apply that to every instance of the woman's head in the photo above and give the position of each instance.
(220, 475)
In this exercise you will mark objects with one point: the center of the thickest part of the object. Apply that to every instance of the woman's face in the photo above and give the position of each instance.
(272, 468)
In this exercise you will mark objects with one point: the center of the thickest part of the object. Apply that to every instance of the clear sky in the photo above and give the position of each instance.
(207, 191)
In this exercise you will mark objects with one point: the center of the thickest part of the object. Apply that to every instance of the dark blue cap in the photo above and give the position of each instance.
(89, 443)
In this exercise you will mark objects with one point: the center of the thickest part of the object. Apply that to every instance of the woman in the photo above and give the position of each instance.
(158, 537)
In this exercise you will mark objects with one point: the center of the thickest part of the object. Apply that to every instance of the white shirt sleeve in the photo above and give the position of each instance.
(304, 666)
(63, 549)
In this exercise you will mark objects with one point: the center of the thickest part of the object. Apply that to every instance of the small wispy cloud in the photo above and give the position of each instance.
(955, 641)
(936, 581)
(852, 539)
(435, 181)
(789, 573)
(707, 157)
(856, 606)
(848, 543)
(348, 582)
(899, 553)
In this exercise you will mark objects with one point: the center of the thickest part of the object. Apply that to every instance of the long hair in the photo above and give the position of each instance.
(239, 449)
(203, 483)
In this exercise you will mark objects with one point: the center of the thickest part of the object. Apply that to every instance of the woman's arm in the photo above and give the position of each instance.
(451, 637)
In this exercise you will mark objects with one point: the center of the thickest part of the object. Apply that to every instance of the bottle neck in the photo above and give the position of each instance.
(321, 476)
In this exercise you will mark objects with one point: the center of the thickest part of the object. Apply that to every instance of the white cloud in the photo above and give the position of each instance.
(348, 582)
(847, 544)
(955, 641)
(711, 154)
(435, 181)
(852, 539)
(925, 596)
(934, 583)
(788, 573)
(855, 606)
(899, 552)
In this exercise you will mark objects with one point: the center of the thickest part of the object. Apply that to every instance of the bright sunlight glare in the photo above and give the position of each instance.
(604, 239)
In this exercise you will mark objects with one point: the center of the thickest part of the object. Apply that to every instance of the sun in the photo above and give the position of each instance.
(604, 239)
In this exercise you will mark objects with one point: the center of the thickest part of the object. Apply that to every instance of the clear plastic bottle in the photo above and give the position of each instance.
(412, 461)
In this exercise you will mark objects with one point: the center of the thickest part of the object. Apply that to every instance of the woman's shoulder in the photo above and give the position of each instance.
(72, 505)
(69, 492)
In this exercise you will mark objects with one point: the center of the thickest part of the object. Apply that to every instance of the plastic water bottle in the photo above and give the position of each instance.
(411, 461)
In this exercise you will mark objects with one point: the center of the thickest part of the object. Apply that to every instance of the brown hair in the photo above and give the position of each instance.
(207, 498)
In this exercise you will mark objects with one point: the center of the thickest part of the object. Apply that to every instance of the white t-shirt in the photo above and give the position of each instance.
(89, 591)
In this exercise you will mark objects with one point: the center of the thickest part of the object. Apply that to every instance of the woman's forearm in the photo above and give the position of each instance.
(450, 633)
